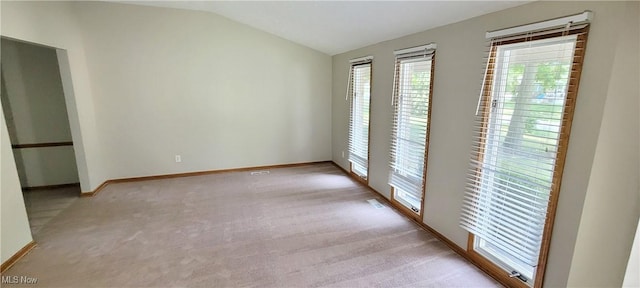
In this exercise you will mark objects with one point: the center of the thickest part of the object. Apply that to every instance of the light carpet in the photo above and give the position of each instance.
(45, 204)
(306, 226)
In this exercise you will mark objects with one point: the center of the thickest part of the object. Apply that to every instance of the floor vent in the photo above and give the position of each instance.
(264, 172)
(375, 203)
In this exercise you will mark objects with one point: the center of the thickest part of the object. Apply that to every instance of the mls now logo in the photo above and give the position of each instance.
(19, 280)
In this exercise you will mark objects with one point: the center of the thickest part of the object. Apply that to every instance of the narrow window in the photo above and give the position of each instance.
(360, 96)
(524, 120)
(410, 132)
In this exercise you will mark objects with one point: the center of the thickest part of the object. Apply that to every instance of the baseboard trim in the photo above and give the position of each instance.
(94, 192)
(197, 173)
(13, 259)
(48, 187)
(459, 250)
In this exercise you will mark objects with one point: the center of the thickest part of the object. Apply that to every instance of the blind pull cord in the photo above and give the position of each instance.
(484, 78)
(346, 97)
(395, 86)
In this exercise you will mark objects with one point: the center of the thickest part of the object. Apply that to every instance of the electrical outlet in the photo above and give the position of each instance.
(178, 159)
(342, 153)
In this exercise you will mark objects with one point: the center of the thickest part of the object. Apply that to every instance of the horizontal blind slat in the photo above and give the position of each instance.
(359, 116)
(517, 135)
(412, 88)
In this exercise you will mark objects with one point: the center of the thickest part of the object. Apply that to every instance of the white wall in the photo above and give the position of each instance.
(612, 205)
(14, 225)
(218, 93)
(458, 76)
(159, 82)
(34, 104)
(53, 24)
(632, 275)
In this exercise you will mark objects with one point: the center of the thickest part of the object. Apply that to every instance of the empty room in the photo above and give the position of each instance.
(320, 143)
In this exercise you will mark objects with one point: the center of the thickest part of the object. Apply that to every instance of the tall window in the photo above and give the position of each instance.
(360, 96)
(410, 138)
(524, 120)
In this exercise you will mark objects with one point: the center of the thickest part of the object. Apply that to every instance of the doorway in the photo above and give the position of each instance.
(33, 102)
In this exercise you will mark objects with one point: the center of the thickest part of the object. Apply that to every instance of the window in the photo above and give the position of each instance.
(410, 132)
(524, 119)
(360, 94)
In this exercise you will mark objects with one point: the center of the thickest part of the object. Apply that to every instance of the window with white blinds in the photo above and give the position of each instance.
(521, 137)
(359, 95)
(411, 101)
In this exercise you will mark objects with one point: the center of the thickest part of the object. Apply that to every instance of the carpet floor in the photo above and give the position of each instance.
(306, 226)
(45, 204)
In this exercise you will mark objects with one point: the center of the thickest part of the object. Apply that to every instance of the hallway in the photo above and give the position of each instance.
(45, 204)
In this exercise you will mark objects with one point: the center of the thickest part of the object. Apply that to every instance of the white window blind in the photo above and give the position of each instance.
(521, 137)
(411, 97)
(359, 95)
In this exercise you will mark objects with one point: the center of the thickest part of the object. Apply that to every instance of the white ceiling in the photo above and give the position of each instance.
(334, 27)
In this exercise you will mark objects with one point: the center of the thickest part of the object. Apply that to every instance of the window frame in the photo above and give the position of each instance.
(352, 98)
(563, 142)
(418, 216)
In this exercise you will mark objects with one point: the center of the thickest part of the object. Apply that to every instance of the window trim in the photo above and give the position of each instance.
(408, 212)
(563, 144)
(354, 63)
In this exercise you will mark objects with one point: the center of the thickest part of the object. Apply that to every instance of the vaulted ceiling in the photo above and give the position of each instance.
(334, 27)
